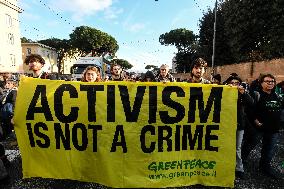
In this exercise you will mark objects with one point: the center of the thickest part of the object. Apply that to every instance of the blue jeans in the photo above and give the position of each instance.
(239, 140)
(269, 141)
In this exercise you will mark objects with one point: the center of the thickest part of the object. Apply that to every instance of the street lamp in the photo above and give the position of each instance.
(214, 39)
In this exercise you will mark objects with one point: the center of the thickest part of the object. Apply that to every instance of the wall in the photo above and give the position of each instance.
(247, 70)
(10, 53)
(48, 54)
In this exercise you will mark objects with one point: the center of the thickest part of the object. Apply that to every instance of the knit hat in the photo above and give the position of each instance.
(233, 78)
(217, 77)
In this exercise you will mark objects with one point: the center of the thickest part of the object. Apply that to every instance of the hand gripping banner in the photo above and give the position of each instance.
(126, 134)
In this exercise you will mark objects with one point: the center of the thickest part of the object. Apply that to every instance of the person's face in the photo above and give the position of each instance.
(35, 65)
(164, 71)
(91, 76)
(198, 71)
(148, 79)
(9, 84)
(235, 82)
(7, 75)
(268, 84)
(116, 70)
(215, 81)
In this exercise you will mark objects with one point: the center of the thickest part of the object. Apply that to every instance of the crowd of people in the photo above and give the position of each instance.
(260, 105)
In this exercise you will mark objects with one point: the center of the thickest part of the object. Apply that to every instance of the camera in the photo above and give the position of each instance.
(244, 85)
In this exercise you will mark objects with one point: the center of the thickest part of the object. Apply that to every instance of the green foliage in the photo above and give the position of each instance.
(183, 39)
(88, 39)
(25, 40)
(222, 48)
(185, 42)
(148, 67)
(125, 65)
(63, 49)
(183, 61)
(247, 30)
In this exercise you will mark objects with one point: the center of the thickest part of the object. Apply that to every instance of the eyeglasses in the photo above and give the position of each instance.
(269, 81)
(235, 83)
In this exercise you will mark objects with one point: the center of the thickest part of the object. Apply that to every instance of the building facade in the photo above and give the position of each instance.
(48, 54)
(10, 53)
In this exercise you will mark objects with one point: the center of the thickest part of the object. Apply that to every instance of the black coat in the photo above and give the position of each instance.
(245, 101)
(268, 111)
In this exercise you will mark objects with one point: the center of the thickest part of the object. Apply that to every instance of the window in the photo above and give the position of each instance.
(9, 20)
(29, 51)
(10, 39)
(12, 60)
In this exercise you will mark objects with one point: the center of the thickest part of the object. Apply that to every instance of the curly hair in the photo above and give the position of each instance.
(262, 76)
(34, 57)
(92, 68)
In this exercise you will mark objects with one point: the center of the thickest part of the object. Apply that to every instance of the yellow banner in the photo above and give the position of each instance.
(127, 135)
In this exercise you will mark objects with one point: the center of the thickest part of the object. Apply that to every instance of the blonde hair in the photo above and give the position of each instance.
(165, 65)
(92, 68)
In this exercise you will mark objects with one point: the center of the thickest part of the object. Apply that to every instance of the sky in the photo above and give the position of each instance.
(135, 24)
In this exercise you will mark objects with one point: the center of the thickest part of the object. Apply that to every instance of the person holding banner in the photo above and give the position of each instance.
(267, 115)
(149, 77)
(164, 75)
(8, 106)
(197, 69)
(116, 73)
(244, 101)
(91, 74)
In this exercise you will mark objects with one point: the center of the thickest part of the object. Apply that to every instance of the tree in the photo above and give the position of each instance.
(185, 42)
(148, 67)
(257, 32)
(63, 49)
(247, 30)
(88, 39)
(223, 53)
(125, 65)
(25, 40)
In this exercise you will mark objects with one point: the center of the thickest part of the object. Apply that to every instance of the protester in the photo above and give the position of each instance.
(280, 91)
(197, 69)
(4, 77)
(255, 85)
(149, 77)
(267, 114)
(116, 73)
(8, 106)
(91, 74)
(244, 100)
(36, 63)
(164, 75)
(216, 79)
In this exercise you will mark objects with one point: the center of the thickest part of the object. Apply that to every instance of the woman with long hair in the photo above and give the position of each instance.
(91, 74)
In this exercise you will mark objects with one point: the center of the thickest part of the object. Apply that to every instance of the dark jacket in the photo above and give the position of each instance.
(245, 101)
(45, 75)
(168, 78)
(11, 97)
(268, 111)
